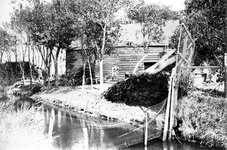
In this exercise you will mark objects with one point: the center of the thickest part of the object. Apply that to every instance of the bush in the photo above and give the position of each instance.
(186, 83)
(204, 118)
(10, 72)
(77, 79)
(21, 130)
(143, 90)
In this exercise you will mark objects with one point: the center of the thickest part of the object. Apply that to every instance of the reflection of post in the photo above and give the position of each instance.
(85, 136)
(101, 134)
(165, 145)
(47, 117)
(59, 118)
(70, 116)
(38, 114)
(51, 124)
(64, 117)
(146, 131)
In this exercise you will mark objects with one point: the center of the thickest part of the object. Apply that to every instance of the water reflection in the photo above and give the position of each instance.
(78, 131)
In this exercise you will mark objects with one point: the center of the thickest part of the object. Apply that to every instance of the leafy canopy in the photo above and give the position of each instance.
(206, 22)
(152, 17)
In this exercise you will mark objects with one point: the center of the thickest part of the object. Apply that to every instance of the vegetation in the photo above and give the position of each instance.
(204, 119)
(186, 83)
(10, 72)
(206, 23)
(152, 18)
(51, 27)
(48, 28)
(77, 78)
(21, 130)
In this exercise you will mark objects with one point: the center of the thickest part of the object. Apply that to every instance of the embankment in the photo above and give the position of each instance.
(92, 103)
(204, 119)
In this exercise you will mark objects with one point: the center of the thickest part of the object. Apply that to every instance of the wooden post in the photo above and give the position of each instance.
(171, 116)
(146, 131)
(166, 125)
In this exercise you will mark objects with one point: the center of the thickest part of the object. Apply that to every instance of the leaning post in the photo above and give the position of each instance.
(225, 52)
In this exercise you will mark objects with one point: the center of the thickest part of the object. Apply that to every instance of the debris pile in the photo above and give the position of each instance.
(142, 90)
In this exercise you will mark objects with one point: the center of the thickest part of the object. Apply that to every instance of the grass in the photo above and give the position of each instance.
(204, 119)
(21, 130)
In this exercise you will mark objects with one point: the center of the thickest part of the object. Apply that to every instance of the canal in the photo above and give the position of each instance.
(80, 131)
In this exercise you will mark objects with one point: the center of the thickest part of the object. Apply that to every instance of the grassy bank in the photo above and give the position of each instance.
(204, 119)
(92, 102)
(21, 130)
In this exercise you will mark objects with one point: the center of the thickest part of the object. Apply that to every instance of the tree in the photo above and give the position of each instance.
(47, 24)
(152, 19)
(100, 14)
(4, 42)
(206, 22)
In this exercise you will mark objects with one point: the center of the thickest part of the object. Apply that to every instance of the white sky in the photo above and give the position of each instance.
(6, 8)
(174, 4)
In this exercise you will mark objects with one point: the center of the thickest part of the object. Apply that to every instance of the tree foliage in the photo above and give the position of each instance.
(206, 22)
(152, 17)
(49, 24)
(100, 25)
(5, 42)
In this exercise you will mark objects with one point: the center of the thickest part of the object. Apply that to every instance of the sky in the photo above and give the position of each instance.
(6, 8)
(174, 4)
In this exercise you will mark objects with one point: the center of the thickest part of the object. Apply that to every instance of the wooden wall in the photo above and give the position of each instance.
(73, 61)
(125, 58)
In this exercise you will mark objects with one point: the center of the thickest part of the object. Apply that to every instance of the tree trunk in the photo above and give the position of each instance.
(1, 56)
(89, 65)
(22, 71)
(56, 65)
(30, 68)
(162, 63)
(101, 73)
(101, 56)
(138, 64)
(83, 78)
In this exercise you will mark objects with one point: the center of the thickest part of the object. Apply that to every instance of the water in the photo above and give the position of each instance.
(79, 131)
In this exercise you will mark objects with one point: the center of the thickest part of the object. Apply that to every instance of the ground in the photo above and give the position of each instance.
(92, 102)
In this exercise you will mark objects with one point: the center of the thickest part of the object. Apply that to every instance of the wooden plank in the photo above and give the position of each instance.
(200, 67)
(166, 124)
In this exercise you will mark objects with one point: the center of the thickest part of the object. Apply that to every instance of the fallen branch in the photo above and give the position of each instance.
(162, 63)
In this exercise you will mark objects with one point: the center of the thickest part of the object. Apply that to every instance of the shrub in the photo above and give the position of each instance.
(204, 118)
(186, 83)
(77, 79)
(10, 72)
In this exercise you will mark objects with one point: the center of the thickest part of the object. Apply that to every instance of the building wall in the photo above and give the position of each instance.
(73, 61)
(125, 58)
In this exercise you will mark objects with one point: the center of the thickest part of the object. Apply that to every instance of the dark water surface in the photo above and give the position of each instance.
(79, 131)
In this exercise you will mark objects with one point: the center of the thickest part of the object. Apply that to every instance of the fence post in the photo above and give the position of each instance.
(167, 115)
